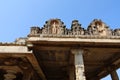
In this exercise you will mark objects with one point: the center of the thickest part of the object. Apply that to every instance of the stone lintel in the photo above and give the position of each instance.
(74, 39)
(114, 75)
(14, 49)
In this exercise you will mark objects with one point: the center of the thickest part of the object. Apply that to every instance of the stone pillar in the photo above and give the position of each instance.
(114, 75)
(79, 64)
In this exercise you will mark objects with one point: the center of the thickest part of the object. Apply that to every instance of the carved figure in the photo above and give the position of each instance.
(54, 26)
(57, 27)
(97, 27)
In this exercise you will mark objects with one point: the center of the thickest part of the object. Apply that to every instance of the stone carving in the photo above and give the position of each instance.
(117, 32)
(54, 26)
(97, 27)
(57, 27)
(10, 75)
(16, 68)
(76, 28)
(35, 30)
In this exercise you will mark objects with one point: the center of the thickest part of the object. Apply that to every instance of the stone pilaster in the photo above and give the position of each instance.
(79, 64)
(71, 73)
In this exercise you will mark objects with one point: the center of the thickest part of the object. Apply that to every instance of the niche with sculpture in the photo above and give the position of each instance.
(54, 27)
(97, 27)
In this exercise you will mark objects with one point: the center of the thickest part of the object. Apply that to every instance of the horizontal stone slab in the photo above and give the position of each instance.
(14, 49)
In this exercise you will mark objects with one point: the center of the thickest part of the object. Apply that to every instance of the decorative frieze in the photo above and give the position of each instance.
(57, 27)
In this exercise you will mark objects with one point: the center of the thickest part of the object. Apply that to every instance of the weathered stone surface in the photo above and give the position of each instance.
(57, 27)
(79, 64)
(117, 32)
(14, 49)
(76, 28)
(46, 53)
(97, 27)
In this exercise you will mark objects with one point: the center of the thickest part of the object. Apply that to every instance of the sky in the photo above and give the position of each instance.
(17, 16)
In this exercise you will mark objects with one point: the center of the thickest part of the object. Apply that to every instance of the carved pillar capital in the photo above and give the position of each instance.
(77, 51)
(30, 45)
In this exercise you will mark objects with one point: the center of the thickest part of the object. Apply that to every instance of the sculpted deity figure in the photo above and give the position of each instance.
(101, 29)
(54, 28)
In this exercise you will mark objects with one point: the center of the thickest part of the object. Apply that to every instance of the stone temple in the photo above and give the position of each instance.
(54, 52)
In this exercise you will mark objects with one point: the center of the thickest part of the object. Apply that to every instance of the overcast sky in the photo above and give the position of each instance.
(17, 16)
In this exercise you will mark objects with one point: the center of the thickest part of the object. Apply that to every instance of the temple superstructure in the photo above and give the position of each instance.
(55, 52)
(57, 27)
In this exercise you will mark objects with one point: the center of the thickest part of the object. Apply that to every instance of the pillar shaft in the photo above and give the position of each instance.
(114, 75)
(79, 65)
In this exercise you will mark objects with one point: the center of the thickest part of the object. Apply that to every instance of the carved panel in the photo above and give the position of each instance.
(54, 26)
(57, 27)
(34, 30)
(97, 27)
(76, 28)
(15, 68)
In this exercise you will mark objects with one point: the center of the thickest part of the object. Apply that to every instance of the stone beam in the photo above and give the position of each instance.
(57, 48)
(55, 62)
(73, 39)
(93, 63)
(14, 49)
(36, 66)
(112, 64)
(114, 75)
